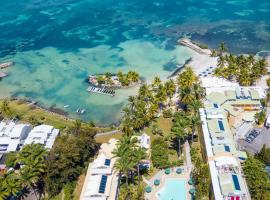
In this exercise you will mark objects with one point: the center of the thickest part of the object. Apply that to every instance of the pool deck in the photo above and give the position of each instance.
(162, 176)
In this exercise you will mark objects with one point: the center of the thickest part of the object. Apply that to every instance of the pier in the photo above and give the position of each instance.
(103, 90)
(188, 43)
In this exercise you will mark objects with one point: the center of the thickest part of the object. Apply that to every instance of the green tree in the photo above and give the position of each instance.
(159, 153)
(257, 179)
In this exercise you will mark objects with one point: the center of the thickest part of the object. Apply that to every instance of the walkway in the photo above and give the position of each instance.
(107, 133)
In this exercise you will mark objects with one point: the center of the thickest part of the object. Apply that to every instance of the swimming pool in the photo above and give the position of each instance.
(174, 189)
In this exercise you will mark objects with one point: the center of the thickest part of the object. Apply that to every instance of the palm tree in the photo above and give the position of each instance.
(10, 185)
(223, 47)
(32, 161)
(123, 153)
(139, 155)
(186, 95)
(178, 133)
(170, 88)
(195, 121)
(187, 78)
(194, 107)
(156, 82)
(221, 61)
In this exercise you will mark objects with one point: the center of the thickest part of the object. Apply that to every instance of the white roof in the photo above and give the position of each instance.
(43, 134)
(12, 144)
(144, 140)
(209, 82)
(43, 129)
(226, 160)
(18, 130)
(215, 181)
(206, 134)
(99, 166)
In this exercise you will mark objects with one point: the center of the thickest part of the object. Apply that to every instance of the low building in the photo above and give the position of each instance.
(12, 135)
(42, 134)
(144, 143)
(101, 182)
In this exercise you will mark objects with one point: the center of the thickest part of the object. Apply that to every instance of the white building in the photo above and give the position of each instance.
(42, 134)
(12, 135)
(101, 182)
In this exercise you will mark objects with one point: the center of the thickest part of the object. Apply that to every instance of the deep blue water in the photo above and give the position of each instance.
(57, 43)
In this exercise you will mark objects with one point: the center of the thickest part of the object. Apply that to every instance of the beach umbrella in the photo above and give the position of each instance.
(190, 182)
(167, 171)
(157, 182)
(192, 191)
(148, 189)
(178, 170)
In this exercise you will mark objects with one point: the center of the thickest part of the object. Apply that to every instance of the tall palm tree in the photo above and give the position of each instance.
(223, 47)
(157, 82)
(10, 185)
(32, 161)
(178, 133)
(170, 88)
(187, 78)
(194, 107)
(195, 121)
(139, 155)
(221, 61)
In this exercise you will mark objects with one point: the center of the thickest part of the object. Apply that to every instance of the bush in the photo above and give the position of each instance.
(68, 191)
(167, 113)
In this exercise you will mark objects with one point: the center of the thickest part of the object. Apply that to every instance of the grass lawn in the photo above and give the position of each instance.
(27, 112)
(106, 138)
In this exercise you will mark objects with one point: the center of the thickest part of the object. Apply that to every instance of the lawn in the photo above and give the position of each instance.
(27, 113)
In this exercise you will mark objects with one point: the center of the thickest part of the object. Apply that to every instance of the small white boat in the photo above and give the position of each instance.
(83, 111)
(66, 106)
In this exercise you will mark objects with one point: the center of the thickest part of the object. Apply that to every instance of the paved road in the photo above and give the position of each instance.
(107, 133)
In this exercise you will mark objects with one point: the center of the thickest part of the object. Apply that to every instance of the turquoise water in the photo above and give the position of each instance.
(174, 189)
(56, 44)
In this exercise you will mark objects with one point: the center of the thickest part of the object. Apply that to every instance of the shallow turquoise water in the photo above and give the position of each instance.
(174, 189)
(56, 44)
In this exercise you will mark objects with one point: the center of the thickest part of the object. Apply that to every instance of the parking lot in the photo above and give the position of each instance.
(255, 139)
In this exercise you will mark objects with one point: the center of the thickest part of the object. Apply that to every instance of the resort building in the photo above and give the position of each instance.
(12, 135)
(42, 134)
(101, 182)
(224, 108)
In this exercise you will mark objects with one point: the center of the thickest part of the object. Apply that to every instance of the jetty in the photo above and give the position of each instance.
(188, 43)
(99, 90)
(6, 64)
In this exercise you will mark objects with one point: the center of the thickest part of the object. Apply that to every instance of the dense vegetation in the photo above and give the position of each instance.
(128, 163)
(243, 69)
(200, 176)
(66, 162)
(257, 179)
(179, 100)
(124, 79)
(28, 167)
(159, 153)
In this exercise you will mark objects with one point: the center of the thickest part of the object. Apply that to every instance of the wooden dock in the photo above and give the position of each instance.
(103, 90)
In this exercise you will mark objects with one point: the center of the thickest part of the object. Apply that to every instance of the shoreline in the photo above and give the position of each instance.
(179, 69)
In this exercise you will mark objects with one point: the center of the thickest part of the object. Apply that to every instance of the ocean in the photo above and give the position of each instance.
(57, 44)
